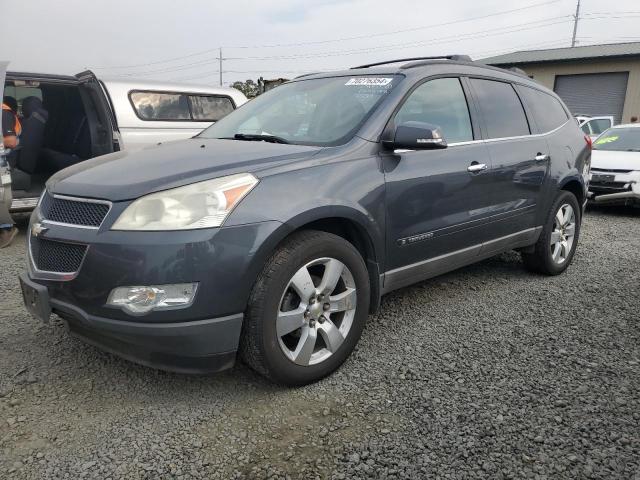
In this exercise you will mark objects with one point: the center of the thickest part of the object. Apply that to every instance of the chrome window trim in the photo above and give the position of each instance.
(79, 200)
(491, 140)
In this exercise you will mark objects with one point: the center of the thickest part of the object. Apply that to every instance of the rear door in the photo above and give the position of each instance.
(520, 160)
(595, 126)
(552, 121)
(436, 207)
(105, 137)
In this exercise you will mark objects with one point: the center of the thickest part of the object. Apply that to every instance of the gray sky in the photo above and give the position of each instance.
(172, 40)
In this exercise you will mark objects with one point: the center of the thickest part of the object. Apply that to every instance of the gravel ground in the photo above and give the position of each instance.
(487, 372)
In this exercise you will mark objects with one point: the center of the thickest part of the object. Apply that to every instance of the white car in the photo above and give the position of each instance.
(615, 166)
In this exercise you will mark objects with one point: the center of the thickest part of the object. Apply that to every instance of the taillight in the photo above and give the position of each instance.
(587, 139)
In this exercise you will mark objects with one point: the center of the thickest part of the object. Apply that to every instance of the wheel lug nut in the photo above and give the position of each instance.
(321, 319)
(312, 323)
(326, 306)
(312, 300)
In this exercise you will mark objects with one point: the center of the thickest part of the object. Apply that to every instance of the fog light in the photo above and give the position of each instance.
(143, 299)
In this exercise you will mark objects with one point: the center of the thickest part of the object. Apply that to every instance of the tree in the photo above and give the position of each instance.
(248, 87)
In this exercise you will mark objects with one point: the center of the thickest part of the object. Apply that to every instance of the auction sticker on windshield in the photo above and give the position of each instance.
(369, 81)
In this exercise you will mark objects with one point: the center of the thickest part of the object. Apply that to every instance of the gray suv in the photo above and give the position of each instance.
(276, 231)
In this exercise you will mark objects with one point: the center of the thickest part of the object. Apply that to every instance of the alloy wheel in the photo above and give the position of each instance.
(563, 234)
(316, 311)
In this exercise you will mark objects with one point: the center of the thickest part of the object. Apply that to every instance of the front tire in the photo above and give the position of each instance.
(558, 240)
(307, 309)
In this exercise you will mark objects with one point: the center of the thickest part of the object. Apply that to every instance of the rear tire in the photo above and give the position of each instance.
(554, 250)
(307, 309)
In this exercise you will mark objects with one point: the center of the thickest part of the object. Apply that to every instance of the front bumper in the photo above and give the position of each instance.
(201, 346)
(202, 337)
(619, 188)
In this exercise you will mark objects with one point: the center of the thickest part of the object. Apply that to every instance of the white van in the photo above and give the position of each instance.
(75, 118)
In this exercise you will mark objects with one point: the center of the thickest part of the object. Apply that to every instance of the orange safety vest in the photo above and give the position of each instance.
(18, 127)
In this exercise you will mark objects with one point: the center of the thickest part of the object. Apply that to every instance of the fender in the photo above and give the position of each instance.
(574, 175)
(367, 229)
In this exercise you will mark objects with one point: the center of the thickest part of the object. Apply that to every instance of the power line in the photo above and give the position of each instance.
(432, 41)
(321, 42)
(369, 50)
(395, 32)
(381, 48)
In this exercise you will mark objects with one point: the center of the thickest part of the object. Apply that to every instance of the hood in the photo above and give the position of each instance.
(125, 176)
(611, 160)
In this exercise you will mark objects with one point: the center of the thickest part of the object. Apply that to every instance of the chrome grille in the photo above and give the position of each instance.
(74, 211)
(56, 257)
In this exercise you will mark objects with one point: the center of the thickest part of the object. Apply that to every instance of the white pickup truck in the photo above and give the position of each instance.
(81, 117)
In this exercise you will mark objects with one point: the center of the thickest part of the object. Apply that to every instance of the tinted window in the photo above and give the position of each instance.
(440, 102)
(160, 106)
(210, 108)
(619, 139)
(20, 93)
(501, 109)
(547, 110)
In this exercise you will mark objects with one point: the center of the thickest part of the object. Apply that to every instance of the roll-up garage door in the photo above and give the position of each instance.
(594, 93)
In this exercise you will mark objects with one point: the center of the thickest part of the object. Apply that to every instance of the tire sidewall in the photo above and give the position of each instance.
(279, 366)
(564, 197)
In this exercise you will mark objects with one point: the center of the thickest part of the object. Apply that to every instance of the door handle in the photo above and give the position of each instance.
(476, 167)
(541, 157)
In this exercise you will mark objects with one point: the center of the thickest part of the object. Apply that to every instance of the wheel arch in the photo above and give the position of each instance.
(350, 224)
(576, 186)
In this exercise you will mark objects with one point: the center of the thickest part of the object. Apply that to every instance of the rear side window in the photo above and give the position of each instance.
(167, 106)
(439, 102)
(501, 109)
(209, 108)
(160, 106)
(20, 93)
(547, 110)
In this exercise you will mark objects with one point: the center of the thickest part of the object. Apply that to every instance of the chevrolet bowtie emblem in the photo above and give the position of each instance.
(37, 229)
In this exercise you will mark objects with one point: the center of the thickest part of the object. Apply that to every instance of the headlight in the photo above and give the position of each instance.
(199, 205)
(143, 299)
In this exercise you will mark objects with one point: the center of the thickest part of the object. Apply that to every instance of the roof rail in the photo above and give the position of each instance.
(459, 58)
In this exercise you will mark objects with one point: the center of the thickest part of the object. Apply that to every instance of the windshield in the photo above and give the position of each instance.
(320, 112)
(619, 139)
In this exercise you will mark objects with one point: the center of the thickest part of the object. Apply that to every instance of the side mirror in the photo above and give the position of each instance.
(418, 136)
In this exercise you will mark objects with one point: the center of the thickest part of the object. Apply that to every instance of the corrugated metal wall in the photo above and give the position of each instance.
(594, 93)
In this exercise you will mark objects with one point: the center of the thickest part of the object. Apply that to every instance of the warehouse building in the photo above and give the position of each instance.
(592, 80)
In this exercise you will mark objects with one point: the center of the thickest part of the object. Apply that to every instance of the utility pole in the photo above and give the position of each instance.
(220, 58)
(575, 25)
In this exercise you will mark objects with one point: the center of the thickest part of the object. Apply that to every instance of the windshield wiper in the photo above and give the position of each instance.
(259, 137)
